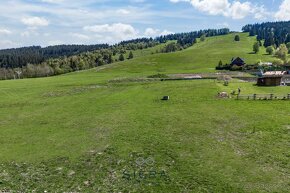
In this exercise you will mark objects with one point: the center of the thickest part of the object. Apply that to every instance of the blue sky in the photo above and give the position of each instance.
(50, 22)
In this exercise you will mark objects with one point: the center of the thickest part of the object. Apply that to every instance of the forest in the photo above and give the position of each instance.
(273, 33)
(19, 57)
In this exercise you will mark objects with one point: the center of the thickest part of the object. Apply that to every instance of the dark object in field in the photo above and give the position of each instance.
(165, 98)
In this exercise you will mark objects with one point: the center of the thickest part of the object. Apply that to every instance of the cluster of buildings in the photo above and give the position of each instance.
(269, 78)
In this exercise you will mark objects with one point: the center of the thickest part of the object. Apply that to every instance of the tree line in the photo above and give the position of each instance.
(188, 39)
(19, 57)
(273, 33)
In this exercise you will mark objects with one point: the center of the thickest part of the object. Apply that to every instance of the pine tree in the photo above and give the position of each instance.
(131, 56)
(256, 47)
(121, 57)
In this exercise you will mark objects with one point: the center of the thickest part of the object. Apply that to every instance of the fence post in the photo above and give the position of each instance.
(271, 96)
(288, 97)
(254, 96)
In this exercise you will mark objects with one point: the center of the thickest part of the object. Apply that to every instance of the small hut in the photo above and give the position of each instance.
(271, 78)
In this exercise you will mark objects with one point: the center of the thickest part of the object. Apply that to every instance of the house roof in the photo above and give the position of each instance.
(237, 58)
(274, 73)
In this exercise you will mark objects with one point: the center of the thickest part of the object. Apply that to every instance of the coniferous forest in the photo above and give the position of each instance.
(274, 33)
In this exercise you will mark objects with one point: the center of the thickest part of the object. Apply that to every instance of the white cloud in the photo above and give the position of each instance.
(166, 32)
(65, 16)
(35, 21)
(261, 13)
(150, 32)
(4, 31)
(240, 10)
(119, 31)
(213, 7)
(284, 11)
(235, 10)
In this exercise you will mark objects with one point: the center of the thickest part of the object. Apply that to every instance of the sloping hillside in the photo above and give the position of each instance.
(201, 57)
(96, 131)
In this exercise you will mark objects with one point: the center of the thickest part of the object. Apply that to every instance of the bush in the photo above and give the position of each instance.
(237, 38)
(270, 50)
(172, 47)
(256, 47)
(236, 68)
(282, 52)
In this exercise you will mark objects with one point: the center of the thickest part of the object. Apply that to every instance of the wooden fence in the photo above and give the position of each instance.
(263, 97)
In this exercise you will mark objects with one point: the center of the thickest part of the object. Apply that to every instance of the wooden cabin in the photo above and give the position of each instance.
(269, 81)
(271, 78)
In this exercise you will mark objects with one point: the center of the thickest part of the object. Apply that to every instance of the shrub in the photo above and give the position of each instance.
(282, 52)
(256, 47)
(237, 38)
(270, 50)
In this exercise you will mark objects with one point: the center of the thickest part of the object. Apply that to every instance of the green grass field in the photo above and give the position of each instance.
(106, 130)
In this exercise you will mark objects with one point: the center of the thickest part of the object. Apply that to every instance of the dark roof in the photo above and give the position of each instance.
(238, 58)
(238, 61)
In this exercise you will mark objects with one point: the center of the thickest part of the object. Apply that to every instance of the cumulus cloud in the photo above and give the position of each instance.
(119, 31)
(235, 10)
(150, 32)
(35, 21)
(284, 11)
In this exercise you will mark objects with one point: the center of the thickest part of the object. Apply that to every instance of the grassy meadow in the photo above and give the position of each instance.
(106, 129)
